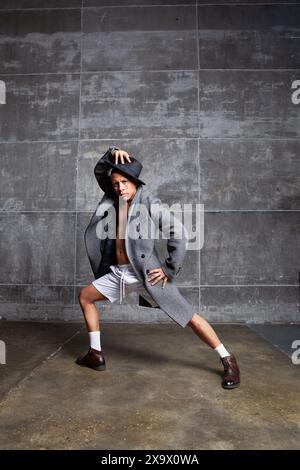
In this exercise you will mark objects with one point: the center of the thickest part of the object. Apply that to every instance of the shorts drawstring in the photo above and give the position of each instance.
(122, 284)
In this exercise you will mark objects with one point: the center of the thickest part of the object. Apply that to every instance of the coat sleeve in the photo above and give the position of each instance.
(175, 233)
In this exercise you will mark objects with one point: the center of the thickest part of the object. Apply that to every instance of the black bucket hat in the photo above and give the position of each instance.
(131, 169)
(107, 163)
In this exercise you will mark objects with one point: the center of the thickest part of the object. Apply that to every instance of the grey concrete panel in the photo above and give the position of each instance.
(24, 4)
(170, 169)
(259, 304)
(38, 176)
(250, 304)
(134, 39)
(37, 248)
(237, 2)
(248, 104)
(89, 192)
(40, 107)
(57, 312)
(139, 105)
(249, 36)
(98, 3)
(84, 274)
(250, 248)
(246, 174)
(95, 3)
(36, 294)
(36, 41)
(201, 3)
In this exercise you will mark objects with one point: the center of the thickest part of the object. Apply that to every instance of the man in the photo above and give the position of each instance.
(123, 263)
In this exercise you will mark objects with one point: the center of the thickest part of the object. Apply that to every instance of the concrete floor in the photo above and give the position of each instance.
(161, 390)
(281, 336)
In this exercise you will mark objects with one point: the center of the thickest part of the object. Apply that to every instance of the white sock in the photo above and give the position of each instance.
(221, 350)
(95, 340)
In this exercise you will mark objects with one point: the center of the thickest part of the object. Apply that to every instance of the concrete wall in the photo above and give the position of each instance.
(202, 93)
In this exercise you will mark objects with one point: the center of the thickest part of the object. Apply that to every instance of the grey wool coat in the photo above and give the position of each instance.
(147, 218)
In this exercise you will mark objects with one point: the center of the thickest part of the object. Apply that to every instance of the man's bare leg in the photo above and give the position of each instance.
(203, 329)
(231, 376)
(87, 298)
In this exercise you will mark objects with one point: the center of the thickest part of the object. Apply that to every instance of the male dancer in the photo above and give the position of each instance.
(108, 286)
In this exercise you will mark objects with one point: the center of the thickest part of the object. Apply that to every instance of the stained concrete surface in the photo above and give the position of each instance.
(28, 344)
(161, 390)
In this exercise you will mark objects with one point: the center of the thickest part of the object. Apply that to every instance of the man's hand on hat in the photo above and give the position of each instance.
(158, 274)
(121, 154)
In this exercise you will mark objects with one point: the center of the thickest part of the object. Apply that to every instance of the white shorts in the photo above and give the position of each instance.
(122, 280)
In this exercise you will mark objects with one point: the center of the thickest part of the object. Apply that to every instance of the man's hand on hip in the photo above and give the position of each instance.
(158, 274)
(121, 154)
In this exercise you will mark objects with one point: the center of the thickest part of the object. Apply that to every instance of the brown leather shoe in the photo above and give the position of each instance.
(93, 359)
(231, 377)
